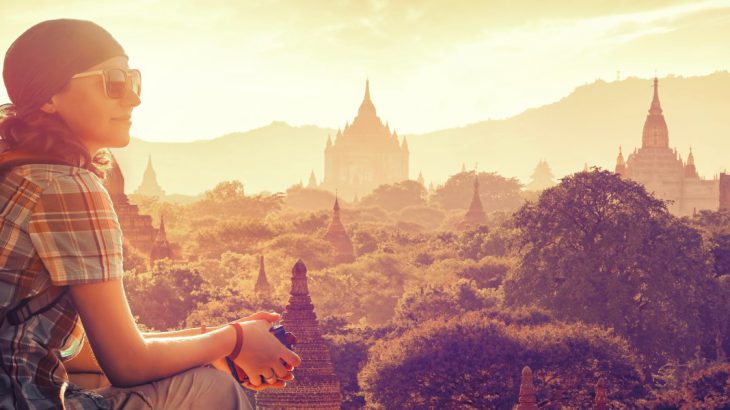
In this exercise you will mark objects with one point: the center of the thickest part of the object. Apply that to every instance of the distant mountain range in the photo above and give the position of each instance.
(585, 127)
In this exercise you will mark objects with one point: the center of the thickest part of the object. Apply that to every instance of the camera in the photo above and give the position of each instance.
(286, 338)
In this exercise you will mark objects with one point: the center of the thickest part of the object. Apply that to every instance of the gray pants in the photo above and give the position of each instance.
(198, 388)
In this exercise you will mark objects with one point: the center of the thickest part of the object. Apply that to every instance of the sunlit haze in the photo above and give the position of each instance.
(218, 67)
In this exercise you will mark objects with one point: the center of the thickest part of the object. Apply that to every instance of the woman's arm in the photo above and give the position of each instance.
(125, 355)
(85, 362)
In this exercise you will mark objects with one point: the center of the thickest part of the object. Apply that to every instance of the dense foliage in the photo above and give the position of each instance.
(592, 278)
(599, 249)
(471, 361)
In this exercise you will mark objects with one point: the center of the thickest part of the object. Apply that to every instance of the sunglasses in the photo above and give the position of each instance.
(117, 81)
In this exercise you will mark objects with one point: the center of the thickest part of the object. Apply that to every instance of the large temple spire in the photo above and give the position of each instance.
(656, 107)
(367, 108)
(656, 134)
(149, 185)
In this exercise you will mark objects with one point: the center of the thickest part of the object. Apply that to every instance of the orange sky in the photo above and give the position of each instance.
(229, 66)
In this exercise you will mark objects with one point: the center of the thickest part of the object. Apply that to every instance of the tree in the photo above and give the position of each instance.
(429, 302)
(308, 199)
(396, 196)
(349, 353)
(164, 297)
(474, 362)
(365, 242)
(367, 289)
(316, 251)
(426, 216)
(497, 193)
(708, 388)
(489, 272)
(716, 228)
(228, 199)
(237, 235)
(599, 249)
(225, 191)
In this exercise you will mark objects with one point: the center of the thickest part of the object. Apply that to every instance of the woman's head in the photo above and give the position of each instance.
(62, 77)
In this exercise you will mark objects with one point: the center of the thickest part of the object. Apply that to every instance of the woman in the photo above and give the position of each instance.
(61, 256)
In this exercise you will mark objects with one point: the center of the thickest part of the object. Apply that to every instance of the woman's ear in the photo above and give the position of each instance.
(49, 107)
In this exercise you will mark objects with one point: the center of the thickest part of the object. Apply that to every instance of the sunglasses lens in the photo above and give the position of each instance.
(136, 79)
(116, 83)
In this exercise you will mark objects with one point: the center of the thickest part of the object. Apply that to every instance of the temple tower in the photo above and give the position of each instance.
(542, 177)
(725, 191)
(620, 163)
(475, 216)
(689, 169)
(262, 287)
(149, 185)
(656, 134)
(312, 181)
(527, 399)
(316, 385)
(662, 172)
(364, 155)
(421, 180)
(600, 401)
(161, 248)
(338, 237)
(138, 230)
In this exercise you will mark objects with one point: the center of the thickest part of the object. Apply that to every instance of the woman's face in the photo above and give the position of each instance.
(97, 120)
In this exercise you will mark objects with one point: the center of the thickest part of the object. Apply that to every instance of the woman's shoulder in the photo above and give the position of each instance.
(44, 175)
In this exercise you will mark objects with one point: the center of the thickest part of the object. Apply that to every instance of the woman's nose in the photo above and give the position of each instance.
(131, 98)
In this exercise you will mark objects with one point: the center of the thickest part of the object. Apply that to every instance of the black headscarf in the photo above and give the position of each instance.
(42, 60)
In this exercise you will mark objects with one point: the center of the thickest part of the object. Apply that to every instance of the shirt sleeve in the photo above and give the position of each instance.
(75, 231)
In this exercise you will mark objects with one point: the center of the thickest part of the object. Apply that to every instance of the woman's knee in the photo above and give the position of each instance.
(201, 387)
(218, 389)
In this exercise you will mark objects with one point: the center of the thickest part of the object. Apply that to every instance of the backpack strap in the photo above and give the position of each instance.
(49, 297)
(32, 306)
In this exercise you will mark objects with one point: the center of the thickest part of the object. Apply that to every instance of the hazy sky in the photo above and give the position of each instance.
(214, 67)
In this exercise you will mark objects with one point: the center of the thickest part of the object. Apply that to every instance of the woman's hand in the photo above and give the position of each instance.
(279, 384)
(262, 354)
(272, 317)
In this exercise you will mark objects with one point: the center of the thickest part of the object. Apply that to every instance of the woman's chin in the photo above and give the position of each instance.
(120, 141)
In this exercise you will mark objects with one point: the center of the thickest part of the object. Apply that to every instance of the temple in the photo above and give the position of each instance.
(542, 177)
(149, 185)
(661, 169)
(262, 287)
(137, 229)
(338, 237)
(475, 216)
(315, 385)
(161, 249)
(364, 155)
(312, 184)
(725, 191)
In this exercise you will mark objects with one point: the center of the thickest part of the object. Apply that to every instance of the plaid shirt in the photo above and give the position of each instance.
(57, 228)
